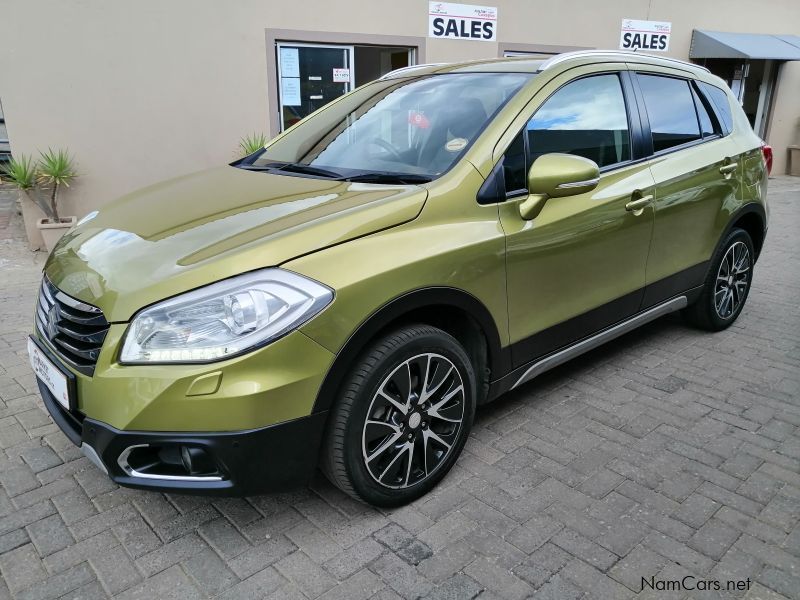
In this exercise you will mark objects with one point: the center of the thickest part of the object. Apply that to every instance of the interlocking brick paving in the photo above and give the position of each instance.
(667, 453)
(10, 220)
(7, 202)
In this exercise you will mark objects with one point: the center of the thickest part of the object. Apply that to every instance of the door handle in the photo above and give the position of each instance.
(729, 168)
(635, 206)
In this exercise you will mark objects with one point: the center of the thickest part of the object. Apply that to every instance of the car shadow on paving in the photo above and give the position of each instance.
(664, 454)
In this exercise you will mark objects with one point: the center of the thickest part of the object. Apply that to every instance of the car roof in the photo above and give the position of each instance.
(532, 64)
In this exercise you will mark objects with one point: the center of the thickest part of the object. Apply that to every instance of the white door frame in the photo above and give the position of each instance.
(764, 98)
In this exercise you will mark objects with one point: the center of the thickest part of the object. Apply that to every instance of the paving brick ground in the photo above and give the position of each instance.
(8, 199)
(668, 453)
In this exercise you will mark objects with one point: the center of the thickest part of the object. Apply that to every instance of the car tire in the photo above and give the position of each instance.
(402, 418)
(727, 284)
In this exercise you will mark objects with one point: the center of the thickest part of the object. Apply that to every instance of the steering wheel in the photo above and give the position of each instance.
(388, 147)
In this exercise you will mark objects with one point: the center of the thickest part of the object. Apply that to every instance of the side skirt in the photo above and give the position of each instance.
(543, 364)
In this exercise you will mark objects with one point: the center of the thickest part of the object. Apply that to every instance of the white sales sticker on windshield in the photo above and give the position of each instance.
(48, 374)
(456, 145)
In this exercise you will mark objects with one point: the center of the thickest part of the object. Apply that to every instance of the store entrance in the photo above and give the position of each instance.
(374, 61)
(311, 75)
(752, 82)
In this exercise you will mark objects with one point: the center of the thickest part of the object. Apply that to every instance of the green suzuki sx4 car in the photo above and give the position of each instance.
(347, 296)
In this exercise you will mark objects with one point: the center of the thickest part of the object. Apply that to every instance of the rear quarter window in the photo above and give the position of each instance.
(706, 125)
(720, 103)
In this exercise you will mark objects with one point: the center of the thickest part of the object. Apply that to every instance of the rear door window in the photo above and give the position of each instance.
(670, 109)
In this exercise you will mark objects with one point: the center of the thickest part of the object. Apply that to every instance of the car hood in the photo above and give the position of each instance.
(200, 228)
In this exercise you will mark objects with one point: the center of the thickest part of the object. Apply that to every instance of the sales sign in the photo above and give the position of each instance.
(645, 35)
(462, 21)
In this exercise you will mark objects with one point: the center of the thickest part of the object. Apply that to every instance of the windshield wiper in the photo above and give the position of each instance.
(364, 177)
(381, 177)
(277, 167)
(309, 170)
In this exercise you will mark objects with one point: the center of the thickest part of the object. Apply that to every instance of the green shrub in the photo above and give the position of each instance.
(55, 169)
(251, 144)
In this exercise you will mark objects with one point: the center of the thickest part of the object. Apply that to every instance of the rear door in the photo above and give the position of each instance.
(697, 171)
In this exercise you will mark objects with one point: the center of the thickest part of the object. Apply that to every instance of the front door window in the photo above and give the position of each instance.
(586, 117)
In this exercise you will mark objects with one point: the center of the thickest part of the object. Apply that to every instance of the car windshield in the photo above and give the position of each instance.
(407, 130)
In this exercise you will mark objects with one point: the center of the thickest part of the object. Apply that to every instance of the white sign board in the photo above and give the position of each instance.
(290, 62)
(645, 35)
(341, 75)
(290, 91)
(462, 21)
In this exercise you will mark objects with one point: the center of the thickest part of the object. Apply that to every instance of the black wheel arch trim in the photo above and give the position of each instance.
(499, 357)
(749, 208)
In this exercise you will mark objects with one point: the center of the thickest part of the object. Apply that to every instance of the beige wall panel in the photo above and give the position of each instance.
(784, 129)
(569, 22)
(453, 50)
(142, 91)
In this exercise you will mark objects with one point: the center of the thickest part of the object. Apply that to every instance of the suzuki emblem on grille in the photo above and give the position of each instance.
(52, 322)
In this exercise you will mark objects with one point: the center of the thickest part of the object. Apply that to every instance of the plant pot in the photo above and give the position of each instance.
(794, 161)
(52, 232)
(31, 215)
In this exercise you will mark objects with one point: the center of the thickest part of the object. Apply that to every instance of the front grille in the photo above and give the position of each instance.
(75, 330)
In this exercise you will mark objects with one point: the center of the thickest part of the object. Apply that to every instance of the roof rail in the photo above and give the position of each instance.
(409, 69)
(559, 58)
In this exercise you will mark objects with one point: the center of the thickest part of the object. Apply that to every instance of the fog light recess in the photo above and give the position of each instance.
(172, 462)
(196, 461)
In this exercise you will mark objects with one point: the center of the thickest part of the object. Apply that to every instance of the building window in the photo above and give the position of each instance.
(5, 148)
(311, 75)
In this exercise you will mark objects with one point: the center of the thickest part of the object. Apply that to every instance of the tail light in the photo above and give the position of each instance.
(766, 150)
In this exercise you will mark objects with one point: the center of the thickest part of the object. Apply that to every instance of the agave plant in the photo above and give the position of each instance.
(250, 144)
(55, 169)
(20, 172)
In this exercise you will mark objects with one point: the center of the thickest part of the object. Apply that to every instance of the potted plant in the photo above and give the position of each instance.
(21, 173)
(55, 169)
(250, 144)
(793, 168)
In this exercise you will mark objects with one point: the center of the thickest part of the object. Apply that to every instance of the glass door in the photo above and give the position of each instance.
(310, 76)
(768, 79)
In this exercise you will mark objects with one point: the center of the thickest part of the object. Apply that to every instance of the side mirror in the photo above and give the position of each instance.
(555, 176)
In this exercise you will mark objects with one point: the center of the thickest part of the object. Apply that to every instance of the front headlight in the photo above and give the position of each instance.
(223, 319)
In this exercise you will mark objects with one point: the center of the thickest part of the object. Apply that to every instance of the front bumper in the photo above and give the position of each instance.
(276, 383)
(247, 462)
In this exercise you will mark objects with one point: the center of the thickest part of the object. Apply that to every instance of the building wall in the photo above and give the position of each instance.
(142, 91)
(784, 128)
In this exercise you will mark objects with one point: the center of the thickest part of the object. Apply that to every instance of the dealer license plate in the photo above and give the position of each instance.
(49, 374)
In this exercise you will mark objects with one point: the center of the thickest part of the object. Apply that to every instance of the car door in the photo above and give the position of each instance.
(697, 171)
(579, 266)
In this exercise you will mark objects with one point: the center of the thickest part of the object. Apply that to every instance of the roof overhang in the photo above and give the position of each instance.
(764, 46)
